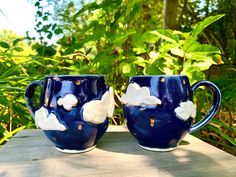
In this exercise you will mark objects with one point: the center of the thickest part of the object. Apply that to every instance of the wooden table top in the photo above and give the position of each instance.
(29, 153)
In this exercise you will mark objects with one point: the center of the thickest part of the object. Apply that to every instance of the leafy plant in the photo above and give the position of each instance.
(119, 39)
(221, 130)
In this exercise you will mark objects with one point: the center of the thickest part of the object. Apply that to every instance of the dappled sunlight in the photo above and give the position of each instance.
(181, 156)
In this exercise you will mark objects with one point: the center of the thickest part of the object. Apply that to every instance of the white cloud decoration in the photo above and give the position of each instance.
(47, 122)
(96, 111)
(68, 101)
(185, 110)
(139, 96)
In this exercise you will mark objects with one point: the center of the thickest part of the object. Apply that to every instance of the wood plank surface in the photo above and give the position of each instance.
(30, 154)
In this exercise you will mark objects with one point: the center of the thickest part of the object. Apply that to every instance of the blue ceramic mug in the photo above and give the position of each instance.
(73, 110)
(159, 110)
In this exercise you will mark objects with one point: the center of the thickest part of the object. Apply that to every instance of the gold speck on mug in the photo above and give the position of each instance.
(80, 127)
(77, 82)
(46, 101)
(162, 79)
(152, 121)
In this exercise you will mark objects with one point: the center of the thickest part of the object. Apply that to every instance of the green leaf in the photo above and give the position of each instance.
(16, 41)
(140, 39)
(194, 73)
(222, 124)
(8, 135)
(2, 130)
(38, 24)
(99, 31)
(152, 69)
(89, 7)
(39, 13)
(54, 26)
(149, 37)
(225, 136)
(49, 36)
(37, 4)
(69, 50)
(167, 35)
(3, 100)
(204, 48)
(139, 61)
(202, 52)
(58, 31)
(139, 48)
(4, 45)
(154, 55)
(203, 65)
(118, 39)
(107, 5)
(45, 18)
(125, 68)
(18, 49)
(199, 27)
(177, 51)
(45, 28)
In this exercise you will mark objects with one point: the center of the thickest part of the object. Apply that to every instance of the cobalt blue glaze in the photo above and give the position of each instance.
(79, 134)
(166, 130)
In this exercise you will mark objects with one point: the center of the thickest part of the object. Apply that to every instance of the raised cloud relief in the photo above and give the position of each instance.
(68, 101)
(186, 110)
(139, 96)
(96, 111)
(47, 122)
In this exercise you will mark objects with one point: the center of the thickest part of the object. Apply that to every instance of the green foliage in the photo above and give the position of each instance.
(181, 53)
(117, 38)
(225, 124)
(17, 70)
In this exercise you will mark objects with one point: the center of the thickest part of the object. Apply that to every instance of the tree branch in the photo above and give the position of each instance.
(180, 20)
(170, 14)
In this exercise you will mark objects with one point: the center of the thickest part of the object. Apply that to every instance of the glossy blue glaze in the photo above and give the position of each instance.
(215, 104)
(79, 134)
(158, 126)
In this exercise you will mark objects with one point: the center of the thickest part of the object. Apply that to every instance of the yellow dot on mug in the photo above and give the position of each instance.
(152, 121)
(80, 127)
(162, 79)
(46, 101)
(184, 81)
(77, 82)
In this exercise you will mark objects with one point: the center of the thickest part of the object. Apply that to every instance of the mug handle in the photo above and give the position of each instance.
(214, 107)
(29, 95)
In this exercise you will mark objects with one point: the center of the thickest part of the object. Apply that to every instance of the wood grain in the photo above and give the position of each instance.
(30, 154)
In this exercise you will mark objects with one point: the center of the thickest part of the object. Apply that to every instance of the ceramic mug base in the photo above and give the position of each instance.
(73, 151)
(158, 149)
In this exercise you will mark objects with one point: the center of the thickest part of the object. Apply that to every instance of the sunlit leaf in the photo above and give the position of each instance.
(4, 45)
(126, 68)
(58, 31)
(199, 27)
(177, 51)
(17, 40)
(18, 49)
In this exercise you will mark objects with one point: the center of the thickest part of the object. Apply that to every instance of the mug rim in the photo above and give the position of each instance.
(75, 76)
(162, 75)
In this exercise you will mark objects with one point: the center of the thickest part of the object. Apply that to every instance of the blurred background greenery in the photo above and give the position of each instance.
(122, 38)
